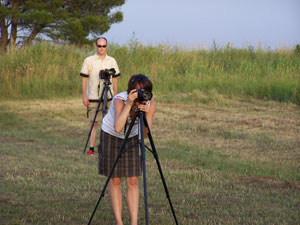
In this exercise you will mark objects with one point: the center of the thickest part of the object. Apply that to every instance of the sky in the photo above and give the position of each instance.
(198, 23)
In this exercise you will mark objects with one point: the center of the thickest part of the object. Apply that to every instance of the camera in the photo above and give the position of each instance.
(143, 95)
(107, 73)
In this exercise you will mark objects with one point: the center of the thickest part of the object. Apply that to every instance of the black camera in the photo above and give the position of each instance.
(143, 95)
(107, 73)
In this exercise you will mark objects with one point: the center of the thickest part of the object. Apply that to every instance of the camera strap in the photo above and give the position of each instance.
(87, 111)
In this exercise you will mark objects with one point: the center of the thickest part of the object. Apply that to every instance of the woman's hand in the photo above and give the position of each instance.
(132, 96)
(143, 106)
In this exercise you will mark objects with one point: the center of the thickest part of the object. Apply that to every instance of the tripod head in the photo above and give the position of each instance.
(106, 83)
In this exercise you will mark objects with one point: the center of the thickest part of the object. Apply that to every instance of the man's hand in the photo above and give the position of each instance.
(85, 101)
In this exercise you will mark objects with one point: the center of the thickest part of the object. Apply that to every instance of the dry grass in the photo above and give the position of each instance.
(225, 162)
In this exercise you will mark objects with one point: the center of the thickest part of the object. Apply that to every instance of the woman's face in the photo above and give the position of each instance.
(137, 86)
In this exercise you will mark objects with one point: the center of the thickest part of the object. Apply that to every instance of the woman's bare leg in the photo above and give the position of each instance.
(116, 198)
(133, 198)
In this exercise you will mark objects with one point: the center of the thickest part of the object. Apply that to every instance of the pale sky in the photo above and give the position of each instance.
(197, 23)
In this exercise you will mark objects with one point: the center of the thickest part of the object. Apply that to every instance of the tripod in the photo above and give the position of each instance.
(142, 121)
(103, 99)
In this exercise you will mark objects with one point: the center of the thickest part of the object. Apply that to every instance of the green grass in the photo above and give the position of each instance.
(45, 70)
(227, 161)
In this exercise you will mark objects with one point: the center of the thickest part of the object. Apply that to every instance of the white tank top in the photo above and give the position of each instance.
(108, 122)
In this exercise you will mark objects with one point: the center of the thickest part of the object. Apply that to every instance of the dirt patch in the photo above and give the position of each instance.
(268, 183)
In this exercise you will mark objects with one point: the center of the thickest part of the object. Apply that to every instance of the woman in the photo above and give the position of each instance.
(113, 132)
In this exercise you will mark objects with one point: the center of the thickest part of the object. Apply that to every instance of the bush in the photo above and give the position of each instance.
(297, 50)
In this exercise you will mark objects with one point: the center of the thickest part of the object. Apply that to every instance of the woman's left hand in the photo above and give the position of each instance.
(144, 106)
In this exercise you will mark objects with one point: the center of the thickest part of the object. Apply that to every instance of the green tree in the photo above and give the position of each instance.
(297, 49)
(22, 21)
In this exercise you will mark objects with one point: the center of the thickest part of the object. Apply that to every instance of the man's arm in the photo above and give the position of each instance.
(84, 73)
(115, 85)
(115, 77)
(85, 100)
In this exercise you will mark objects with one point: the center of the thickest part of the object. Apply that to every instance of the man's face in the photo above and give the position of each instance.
(101, 47)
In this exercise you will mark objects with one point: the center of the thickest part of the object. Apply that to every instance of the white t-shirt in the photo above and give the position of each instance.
(91, 68)
(108, 122)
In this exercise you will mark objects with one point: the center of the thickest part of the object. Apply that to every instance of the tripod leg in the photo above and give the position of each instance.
(159, 169)
(120, 151)
(89, 135)
(111, 95)
(104, 101)
(92, 125)
(143, 155)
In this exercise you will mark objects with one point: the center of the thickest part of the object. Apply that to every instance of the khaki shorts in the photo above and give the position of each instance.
(91, 111)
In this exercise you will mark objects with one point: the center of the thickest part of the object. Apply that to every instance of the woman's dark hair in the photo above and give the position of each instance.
(140, 79)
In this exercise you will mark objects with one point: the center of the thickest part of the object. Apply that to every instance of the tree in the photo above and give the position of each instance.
(297, 49)
(22, 21)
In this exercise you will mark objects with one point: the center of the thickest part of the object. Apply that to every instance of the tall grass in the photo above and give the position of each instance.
(46, 70)
(41, 71)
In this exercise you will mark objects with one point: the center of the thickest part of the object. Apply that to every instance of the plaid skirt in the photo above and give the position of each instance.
(129, 163)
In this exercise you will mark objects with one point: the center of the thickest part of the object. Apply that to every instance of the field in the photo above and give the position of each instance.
(228, 157)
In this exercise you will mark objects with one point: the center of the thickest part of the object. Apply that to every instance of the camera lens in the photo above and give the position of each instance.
(144, 95)
(112, 72)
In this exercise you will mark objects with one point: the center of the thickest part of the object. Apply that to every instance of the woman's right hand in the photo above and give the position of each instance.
(132, 96)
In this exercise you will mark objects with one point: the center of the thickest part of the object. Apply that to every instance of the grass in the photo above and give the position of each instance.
(225, 161)
(46, 71)
(226, 130)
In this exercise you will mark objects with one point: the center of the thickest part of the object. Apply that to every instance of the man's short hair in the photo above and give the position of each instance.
(101, 38)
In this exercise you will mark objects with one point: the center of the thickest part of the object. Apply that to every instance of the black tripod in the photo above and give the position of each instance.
(103, 99)
(142, 121)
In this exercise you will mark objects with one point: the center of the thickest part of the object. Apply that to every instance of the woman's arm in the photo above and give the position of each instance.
(149, 111)
(122, 110)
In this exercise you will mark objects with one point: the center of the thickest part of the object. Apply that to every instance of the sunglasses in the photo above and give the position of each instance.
(101, 46)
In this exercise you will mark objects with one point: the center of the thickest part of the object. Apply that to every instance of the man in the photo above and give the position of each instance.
(92, 85)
